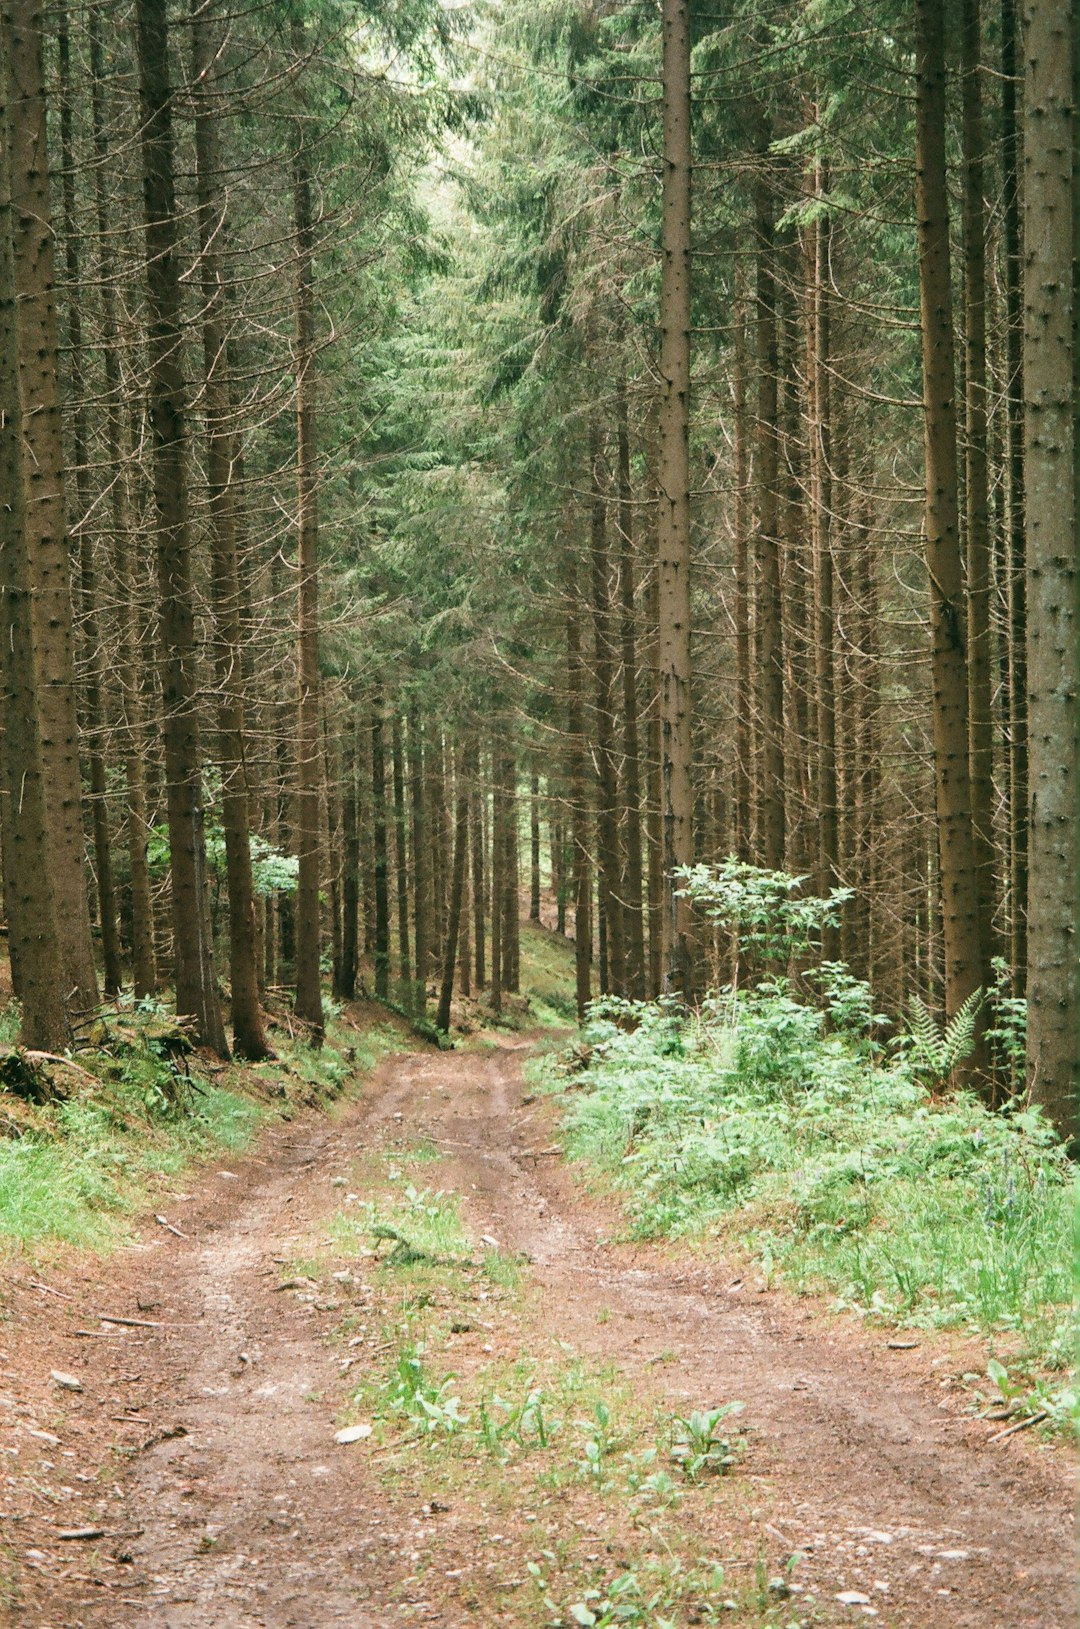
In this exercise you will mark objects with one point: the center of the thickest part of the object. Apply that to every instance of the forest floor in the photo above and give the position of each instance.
(291, 1296)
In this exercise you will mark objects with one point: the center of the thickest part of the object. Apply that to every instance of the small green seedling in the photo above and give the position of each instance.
(699, 1446)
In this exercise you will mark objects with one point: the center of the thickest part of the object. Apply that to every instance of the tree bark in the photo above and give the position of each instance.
(382, 892)
(143, 967)
(608, 869)
(401, 859)
(633, 906)
(196, 994)
(674, 481)
(350, 856)
(308, 1004)
(419, 852)
(249, 1035)
(961, 913)
(457, 890)
(769, 619)
(33, 934)
(46, 517)
(579, 813)
(84, 532)
(976, 486)
(1051, 455)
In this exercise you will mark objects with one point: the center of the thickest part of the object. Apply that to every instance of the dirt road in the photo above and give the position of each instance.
(235, 1508)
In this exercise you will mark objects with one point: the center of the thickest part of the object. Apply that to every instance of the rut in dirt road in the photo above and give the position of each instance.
(245, 1513)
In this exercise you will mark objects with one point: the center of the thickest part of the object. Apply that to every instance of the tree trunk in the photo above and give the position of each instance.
(382, 893)
(46, 517)
(976, 488)
(1017, 779)
(674, 527)
(308, 1003)
(769, 620)
(92, 704)
(196, 994)
(33, 935)
(350, 853)
(961, 911)
(534, 847)
(632, 883)
(1051, 467)
(401, 859)
(143, 968)
(478, 885)
(819, 430)
(744, 815)
(579, 814)
(419, 850)
(249, 1036)
(457, 890)
(613, 970)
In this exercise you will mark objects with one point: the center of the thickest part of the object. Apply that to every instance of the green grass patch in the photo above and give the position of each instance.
(547, 977)
(81, 1168)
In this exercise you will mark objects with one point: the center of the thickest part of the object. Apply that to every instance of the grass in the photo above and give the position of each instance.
(841, 1171)
(547, 977)
(80, 1169)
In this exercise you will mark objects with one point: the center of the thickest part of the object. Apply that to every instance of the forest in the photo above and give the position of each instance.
(558, 519)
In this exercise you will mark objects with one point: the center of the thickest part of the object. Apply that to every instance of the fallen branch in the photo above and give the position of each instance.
(54, 1057)
(164, 1222)
(131, 1323)
(1021, 1425)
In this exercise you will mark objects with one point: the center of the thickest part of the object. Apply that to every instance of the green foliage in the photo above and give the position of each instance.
(934, 1051)
(700, 1446)
(769, 916)
(839, 1166)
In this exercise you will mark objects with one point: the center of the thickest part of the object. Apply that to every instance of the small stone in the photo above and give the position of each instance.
(67, 1382)
(353, 1433)
(852, 1597)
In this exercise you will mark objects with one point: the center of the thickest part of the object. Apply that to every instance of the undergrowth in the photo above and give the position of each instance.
(775, 1117)
(841, 1170)
(76, 1169)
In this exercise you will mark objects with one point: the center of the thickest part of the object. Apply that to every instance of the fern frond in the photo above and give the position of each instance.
(959, 1037)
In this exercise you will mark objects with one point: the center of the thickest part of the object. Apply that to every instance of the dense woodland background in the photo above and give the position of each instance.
(348, 356)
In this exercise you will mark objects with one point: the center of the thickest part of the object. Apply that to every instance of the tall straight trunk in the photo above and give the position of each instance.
(478, 891)
(331, 804)
(457, 891)
(632, 889)
(534, 847)
(308, 1003)
(579, 811)
(46, 516)
(796, 581)
(465, 924)
(382, 892)
(819, 429)
(196, 994)
(976, 485)
(249, 1036)
(401, 859)
(420, 870)
(436, 805)
(961, 912)
(613, 968)
(674, 481)
(497, 885)
(1017, 779)
(512, 932)
(743, 813)
(1051, 469)
(33, 933)
(350, 858)
(143, 969)
(654, 815)
(769, 619)
(92, 700)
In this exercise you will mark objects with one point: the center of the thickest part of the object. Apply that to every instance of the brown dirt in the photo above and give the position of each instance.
(204, 1447)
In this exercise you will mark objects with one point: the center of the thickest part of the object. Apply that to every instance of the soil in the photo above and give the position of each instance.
(202, 1441)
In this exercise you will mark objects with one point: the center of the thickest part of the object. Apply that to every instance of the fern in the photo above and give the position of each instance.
(936, 1051)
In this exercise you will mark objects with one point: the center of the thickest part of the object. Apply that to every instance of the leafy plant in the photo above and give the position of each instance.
(934, 1051)
(700, 1446)
(769, 917)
